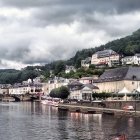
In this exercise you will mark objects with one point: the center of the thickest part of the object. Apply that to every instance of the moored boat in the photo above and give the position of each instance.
(51, 101)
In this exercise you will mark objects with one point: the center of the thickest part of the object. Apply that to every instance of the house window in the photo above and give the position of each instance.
(133, 83)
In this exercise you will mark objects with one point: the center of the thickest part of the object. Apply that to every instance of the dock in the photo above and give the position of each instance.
(97, 110)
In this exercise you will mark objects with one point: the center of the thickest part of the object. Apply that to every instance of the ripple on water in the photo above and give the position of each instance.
(33, 121)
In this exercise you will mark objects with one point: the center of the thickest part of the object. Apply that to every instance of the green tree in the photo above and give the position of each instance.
(61, 92)
(92, 66)
(60, 67)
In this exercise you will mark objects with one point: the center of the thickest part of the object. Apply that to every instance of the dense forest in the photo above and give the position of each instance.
(125, 46)
(11, 76)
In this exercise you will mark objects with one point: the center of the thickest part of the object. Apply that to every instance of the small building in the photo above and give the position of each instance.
(69, 69)
(38, 79)
(56, 82)
(131, 60)
(86, 62)
(137, 59)
(75, 90)
(88, 80)
(19, 89)
(105, 57)
(128, 60)
(4, 90)
(36, 88)
(88, 90)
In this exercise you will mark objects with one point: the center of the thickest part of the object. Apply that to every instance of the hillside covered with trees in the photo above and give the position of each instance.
(126, 46)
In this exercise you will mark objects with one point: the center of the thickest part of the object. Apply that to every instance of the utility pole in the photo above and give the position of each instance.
(135, 104)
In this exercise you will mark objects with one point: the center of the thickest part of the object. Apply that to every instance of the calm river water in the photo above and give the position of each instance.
(33, 121)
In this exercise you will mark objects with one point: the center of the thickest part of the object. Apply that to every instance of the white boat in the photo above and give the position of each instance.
(51, 101)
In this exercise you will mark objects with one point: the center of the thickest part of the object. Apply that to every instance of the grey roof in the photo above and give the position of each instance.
(87, 78)
(137, 54)
(133, 73)
(87, 60)
(118, 74)
(27, 85)
(105, 53)
(75, 83)
(127, 57)
(91, 86)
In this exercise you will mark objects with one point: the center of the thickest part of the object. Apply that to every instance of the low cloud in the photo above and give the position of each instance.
(41, 31)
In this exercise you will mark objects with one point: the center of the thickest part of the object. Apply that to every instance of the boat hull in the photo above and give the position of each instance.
(51, 103)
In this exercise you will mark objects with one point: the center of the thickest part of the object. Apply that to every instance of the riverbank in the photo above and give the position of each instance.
(98, 110)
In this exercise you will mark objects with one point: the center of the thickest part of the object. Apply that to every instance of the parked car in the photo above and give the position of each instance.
(128, 107)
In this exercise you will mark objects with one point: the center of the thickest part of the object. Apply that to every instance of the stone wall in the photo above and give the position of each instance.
(113, 104)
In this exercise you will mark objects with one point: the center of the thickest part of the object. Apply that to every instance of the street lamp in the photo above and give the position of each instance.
(135, 103)
(134, 78)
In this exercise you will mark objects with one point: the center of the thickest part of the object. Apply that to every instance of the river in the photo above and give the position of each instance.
(34, 121)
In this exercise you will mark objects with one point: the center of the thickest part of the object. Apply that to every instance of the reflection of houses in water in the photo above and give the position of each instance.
(130, 126)
(75, 116)
(89, 123)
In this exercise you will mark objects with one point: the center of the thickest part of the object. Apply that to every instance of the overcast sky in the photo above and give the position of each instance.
(40, 31)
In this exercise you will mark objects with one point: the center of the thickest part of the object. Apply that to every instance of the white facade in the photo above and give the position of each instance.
(56, 83)
(24, 89)
(116, 86)
(87, 92)
(88, 80)
(129, 60)
(86, 63)
(76, 94)
(69, 69)
(19, 90)
(4, 91)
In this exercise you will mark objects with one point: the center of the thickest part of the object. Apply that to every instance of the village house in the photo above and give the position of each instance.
(53, 83)
(114, 80)
(36, 88)
(105, 57)
(56, 82)
(81, 91)
(86, 62)
(131, 60)
(38, 79)
(75, 88)
(88, 80)
(21, 89)
(88, 90)
(4, 88)
(69, 69)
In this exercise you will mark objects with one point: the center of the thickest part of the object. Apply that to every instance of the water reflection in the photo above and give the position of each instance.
(34, 121)
(87, 126)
